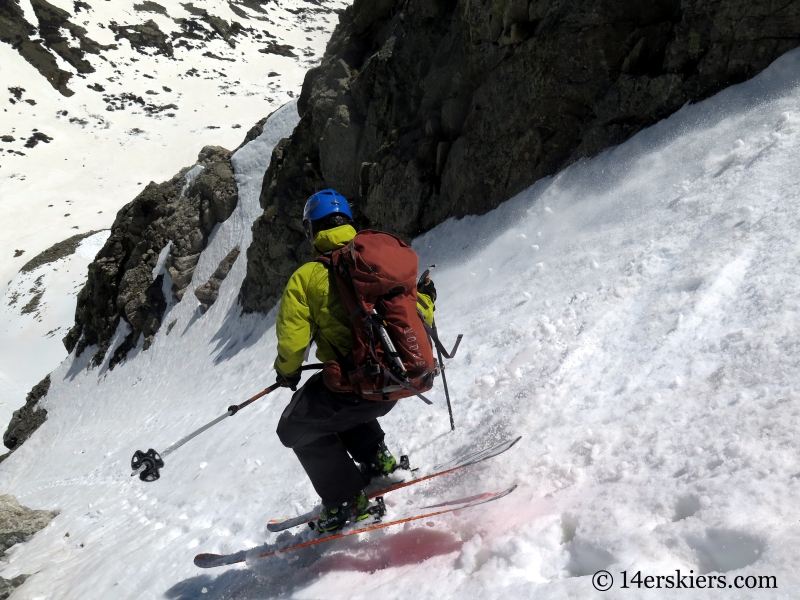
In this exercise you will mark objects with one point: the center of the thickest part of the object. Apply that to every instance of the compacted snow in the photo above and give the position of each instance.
(634, 319)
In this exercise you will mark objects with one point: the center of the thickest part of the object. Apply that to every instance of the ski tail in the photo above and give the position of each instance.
(205, 561)
(276, 525)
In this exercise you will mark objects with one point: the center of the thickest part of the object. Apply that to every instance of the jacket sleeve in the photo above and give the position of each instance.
(293, 325)
(425, 306)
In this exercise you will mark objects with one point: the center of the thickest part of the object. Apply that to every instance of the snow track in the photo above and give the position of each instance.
(634, 318)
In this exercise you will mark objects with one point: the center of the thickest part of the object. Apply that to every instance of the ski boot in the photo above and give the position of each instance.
(335, 517)
(382, 463)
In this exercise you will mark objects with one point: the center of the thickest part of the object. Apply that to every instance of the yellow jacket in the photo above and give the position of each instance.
(311, 308)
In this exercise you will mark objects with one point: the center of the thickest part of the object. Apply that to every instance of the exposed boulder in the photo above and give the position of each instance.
(18, 523)
(27, 419)
(124, 282)
(423, 110)
(279, 49)
(208, 292)
(9, 585)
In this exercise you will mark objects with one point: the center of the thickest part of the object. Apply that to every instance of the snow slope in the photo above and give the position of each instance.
(37, 312)
(104, 151)
(634, 318)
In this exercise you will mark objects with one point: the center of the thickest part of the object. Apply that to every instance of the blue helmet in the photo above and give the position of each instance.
(324, 203)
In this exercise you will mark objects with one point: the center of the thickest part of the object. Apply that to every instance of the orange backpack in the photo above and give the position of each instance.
(376, 275)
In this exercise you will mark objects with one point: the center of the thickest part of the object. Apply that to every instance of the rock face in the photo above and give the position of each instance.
(208, 292)
(9, 585)
(27, 419)
(426, 109)
(18, 523)
(125, 281)
(53, 23)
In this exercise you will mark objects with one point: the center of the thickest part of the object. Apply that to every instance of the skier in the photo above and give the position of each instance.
(325, 428)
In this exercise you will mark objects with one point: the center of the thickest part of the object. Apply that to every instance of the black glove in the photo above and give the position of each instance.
(289, 381)
(427, 287)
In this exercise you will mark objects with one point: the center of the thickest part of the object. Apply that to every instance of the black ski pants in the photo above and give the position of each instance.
(322, 427)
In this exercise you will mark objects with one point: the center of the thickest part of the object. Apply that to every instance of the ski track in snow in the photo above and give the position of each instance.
(634, 318)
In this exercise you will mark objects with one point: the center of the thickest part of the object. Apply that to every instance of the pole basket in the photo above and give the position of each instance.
(150, 462)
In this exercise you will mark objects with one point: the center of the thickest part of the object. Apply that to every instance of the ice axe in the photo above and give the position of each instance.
(433, 332)
(148, 465)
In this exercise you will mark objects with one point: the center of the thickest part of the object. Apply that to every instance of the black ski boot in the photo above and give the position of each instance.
(335, 517)
(381, 464)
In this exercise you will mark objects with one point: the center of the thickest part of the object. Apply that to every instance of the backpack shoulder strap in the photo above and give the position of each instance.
(325, 258)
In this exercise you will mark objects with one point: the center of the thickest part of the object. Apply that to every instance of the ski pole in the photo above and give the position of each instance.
(422, 278)
(444, 382)
(148, 464)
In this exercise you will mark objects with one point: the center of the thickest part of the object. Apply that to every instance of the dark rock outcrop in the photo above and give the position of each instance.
(142, 36)
(121, 283)
(17, 524)
(149, 6)
(27, 419)
(9, 585)
(193, 30)
(52, 21)
(56, 252)
(279, 49)
(208, 292)
(426, 109)
(17, 32)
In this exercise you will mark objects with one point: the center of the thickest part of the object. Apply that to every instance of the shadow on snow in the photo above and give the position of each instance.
(278, 576)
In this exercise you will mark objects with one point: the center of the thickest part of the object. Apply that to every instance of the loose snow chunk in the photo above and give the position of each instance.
(547, 329)
(483, 388)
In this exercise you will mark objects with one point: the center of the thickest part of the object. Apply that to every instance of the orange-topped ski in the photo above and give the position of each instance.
(455, 464)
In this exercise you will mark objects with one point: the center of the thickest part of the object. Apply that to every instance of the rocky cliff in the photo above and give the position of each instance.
(26, 419)
(427, 109)
(170, 221)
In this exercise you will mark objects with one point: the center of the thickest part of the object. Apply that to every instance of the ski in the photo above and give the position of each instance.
(207, 561)
(460, 462)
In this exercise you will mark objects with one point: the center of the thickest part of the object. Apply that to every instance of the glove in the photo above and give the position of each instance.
(289, 381)
(427, 288)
